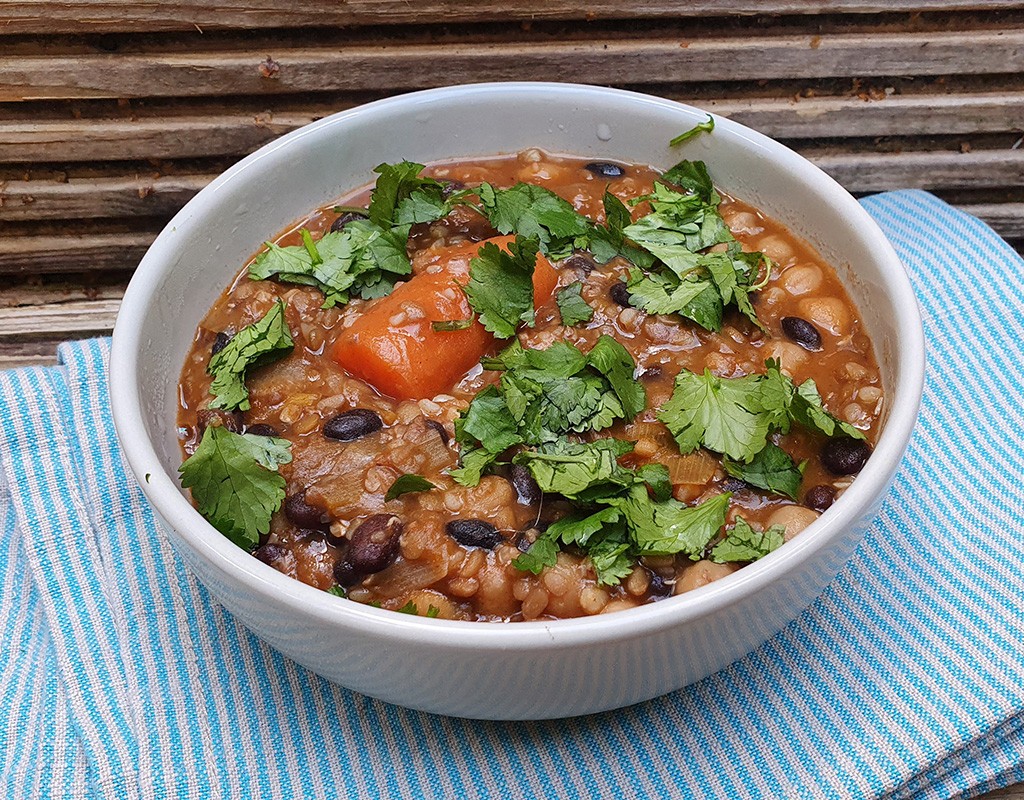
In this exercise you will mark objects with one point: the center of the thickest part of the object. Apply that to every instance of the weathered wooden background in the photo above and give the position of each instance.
(114, 114)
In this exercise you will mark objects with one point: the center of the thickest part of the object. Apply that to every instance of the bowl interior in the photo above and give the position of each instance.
(195, 258)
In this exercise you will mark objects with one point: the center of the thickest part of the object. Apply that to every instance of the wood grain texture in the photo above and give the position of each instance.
(79, 318)
(128, 196)
(180, 136)
(41, 255)
(97, 16)
(407, 66)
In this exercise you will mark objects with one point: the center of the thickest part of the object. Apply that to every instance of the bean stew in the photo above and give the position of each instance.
(526, 387)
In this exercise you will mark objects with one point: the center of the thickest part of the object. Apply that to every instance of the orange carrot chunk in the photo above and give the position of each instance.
(394, 347)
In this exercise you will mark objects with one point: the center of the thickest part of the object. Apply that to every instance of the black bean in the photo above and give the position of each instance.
(802, 332)
(349, 216)
(232, 420)
(474, 533)
(220, 342)
(262, 430)
(306, 515)
(351, 425)
(620, 294)
(270, 553)
(820, 497)
(526, 487)
(606, 169)
(374, 543)
(659, 587)
(450, 187)
(578, 261)
(845, 456)
(434, 425)
(345, 574)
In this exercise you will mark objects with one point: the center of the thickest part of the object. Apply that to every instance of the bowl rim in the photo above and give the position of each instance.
(232, 562)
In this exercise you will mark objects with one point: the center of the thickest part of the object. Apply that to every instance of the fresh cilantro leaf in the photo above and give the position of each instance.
(807, 410)
(362, 258)
(571, 305)
(422, 206)
(657, 479)
(488, 422)
(537, 213)
(264, 341)
(338, 591)
(612, 558)
(573, 468)
(771, 469)
(744, 543)
(408, 608)
(613, 361)
(670, 527)
(234, 481)
(432, 611)
(578, 530)
(693, 176)
(408, 483)
(712, 411)
(542, 553)
(474, 462)
(396, 184)
(694, 299)
(608, 242)
(452, 324)
(699, 128)
(500, 288)
(678, 226)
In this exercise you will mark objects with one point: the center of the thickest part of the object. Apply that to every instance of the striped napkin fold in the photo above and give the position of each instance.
(123, 679)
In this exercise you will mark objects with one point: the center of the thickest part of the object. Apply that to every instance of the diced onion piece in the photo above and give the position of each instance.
(697, 467)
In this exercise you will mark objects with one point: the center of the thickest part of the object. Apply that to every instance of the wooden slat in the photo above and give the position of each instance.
(1006, 219)
(34, 255)
(80, 318)
(390, 66)
(915, 115)
(874, 172)
(180, 136)
(34, 353)
(177, 136)
(136, 196)
(99, 16)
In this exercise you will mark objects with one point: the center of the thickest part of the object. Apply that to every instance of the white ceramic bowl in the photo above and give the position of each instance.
(523, 670)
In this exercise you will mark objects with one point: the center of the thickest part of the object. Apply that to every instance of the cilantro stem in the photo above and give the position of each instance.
(310, 245)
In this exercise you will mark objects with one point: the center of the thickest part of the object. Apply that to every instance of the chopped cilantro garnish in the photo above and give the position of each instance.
(337, 591)
(404, 484)
(574, 469)
(734, 416)
(500, 288)
(544, 395)
(363, 259)
(702, 127)
(772, 469)
(264, 341)
(715, 412)
(538, 213)
(410, 608)
(401, 196)
(235, 483)
(571, 305)
(693, 176)
(744, 543)
(542, 553)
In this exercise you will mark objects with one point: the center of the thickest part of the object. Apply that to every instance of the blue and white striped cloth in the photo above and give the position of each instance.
(121, 679)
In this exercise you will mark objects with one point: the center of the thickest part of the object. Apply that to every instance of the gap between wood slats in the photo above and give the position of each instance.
(60, 141)
(416, 66)
(124, 197)
(94, 16)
